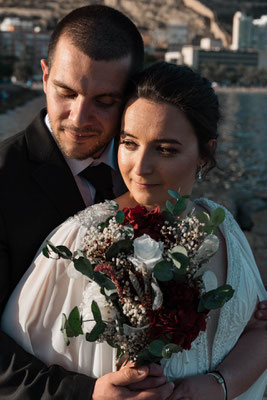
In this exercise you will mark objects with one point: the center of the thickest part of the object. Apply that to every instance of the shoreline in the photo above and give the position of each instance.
(241, 89)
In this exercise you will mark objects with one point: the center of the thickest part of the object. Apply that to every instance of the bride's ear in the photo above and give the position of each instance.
(210, 150)
(212, 144)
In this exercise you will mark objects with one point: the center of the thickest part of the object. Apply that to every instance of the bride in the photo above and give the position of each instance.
(168, 137)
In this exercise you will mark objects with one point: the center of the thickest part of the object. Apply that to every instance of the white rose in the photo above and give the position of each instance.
(92, 292)
(146, 250)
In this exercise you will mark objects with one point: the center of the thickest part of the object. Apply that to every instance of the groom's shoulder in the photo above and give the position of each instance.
(14, 149)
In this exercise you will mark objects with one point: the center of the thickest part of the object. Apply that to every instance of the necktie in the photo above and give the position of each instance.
(100, 177)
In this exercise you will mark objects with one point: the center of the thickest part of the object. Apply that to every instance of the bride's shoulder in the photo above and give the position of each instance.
(95, 214)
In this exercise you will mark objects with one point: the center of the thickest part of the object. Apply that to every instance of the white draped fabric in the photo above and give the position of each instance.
(34, 311)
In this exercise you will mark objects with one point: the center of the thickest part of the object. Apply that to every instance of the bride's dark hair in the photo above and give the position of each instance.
(180, 86)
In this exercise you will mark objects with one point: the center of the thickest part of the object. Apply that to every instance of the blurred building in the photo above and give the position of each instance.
(249, 33)
(177, 35)
(196, 57)
(21, 40)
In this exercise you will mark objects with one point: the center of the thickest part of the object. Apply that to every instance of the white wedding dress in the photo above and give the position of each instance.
(34, 311)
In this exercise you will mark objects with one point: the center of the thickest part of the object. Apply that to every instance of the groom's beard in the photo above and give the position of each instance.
(80, 144)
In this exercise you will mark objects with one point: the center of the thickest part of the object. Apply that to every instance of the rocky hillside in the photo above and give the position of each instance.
(204, 18)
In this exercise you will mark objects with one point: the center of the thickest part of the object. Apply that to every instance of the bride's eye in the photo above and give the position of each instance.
(167, 151)
(128, 144)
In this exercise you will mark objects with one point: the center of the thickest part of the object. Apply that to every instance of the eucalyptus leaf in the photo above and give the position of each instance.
(167, 216)
(45, 252)
(103, 281)
(179, 207)
(120, 217)
(217, 217)
(97, 330)
(144, 357)
(169, 349)
(169, 206)
(63, 329)
(75, 322)
(181, 258)
(64, 252)
(163, 271)
(174, 194)
(96, 311)
(203, 217)
(117, 247)
(61, 251)
(215, 298)
(83, 265)
(156, 347)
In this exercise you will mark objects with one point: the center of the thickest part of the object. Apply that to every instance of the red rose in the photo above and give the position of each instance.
(144, 221)
(178, 320)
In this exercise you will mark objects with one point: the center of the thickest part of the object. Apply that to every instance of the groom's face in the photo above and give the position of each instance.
(84, 99)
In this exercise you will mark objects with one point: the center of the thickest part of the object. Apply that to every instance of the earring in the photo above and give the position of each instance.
(199, 174)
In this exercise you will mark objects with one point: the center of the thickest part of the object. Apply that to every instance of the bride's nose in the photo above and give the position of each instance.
(144, 163)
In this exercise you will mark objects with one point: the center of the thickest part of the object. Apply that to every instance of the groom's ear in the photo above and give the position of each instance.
(44, 66)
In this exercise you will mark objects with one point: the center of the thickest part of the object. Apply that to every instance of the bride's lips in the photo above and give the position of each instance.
(145, 185)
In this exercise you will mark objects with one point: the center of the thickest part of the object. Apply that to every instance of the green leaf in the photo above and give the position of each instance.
(215, 298)
(103, 225)
(144, 357)
(169, 349)
(97, 330)
(116, 248)
(103, 281)
(174, 194)
(120, 217)
(64, 252)
(45, 252)
(74, 321)
(163, 271)
(83, 265)
(61, 251)
(64, 330)
(167, 216)
(179, 207)
(156, 348)
(169, 206)
(203, 217)
(217, 217)
(96, 311)
(181, 258)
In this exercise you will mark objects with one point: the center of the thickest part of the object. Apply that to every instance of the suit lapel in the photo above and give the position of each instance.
(50, 170)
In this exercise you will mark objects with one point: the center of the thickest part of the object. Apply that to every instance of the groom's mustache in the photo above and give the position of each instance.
(78, 131)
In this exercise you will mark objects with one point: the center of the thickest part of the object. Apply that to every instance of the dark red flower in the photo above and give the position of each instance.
(178, 320)
(144, 221)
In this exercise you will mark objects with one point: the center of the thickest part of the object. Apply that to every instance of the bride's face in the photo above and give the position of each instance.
(158, 151)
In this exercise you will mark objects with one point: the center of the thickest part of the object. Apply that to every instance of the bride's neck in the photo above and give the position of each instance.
(127, 201)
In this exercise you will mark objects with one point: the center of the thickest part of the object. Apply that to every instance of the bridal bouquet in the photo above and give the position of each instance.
(147, 291)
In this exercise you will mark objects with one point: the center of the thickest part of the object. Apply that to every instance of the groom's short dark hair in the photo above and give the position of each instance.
(102, 33)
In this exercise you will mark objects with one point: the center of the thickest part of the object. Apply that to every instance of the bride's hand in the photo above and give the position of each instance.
(117, 385)
(199, 387)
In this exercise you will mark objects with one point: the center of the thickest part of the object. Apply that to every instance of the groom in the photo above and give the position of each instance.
(44, 179)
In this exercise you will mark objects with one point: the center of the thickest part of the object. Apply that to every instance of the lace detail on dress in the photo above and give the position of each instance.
(235, 313)
(94, 215)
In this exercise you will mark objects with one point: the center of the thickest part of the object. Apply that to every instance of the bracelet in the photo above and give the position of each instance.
(220, 379)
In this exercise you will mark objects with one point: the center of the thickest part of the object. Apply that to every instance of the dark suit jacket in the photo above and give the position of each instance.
(37, 193)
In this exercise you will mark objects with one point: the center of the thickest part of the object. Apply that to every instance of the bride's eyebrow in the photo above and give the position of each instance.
(170, 141)
(127, 134)
(160, 141)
